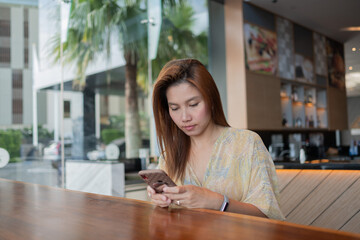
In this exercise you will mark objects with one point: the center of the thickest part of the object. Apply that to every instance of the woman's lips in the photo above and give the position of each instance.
(189, 128)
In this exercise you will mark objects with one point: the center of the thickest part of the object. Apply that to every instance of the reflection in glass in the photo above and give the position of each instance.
(105, 97)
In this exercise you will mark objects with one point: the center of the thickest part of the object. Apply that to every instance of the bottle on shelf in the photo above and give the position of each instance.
(309, 98)
(284, 121)
(306, 121)
(353, 150)
(318, 121)
(311, 121)
(295, 96)
(302, 156)
(298, 122)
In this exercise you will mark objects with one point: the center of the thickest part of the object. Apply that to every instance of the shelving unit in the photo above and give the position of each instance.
(294, 90)
(303, 105)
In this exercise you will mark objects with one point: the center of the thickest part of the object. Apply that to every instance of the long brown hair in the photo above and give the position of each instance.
(174, 143)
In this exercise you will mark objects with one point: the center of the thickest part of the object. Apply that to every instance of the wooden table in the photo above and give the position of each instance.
(29, 211)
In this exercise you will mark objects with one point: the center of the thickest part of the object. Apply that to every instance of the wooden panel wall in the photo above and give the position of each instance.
(323, 198)
(263, 101)
(337, 107)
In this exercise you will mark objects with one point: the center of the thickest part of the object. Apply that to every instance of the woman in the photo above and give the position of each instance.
(215, 166)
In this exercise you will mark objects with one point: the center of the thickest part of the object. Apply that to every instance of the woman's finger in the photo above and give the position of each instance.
(150, 191)
(177, 189)
(175, 196)
(160, 202)
(158, 199)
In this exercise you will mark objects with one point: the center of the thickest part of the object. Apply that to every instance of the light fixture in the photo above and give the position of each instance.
(353, 49)
(350, 68)
(354, 28)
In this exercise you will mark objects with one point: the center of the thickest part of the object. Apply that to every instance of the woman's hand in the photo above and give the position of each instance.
(193, 197)
(158, 198)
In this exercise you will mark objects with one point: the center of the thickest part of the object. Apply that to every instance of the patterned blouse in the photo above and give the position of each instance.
(241, 168)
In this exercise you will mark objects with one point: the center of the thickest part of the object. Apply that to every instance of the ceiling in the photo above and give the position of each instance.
(327, 17)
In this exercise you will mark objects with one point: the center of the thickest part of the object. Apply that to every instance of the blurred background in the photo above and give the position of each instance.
(76, 79)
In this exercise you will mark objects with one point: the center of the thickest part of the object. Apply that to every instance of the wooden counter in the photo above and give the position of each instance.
(328, 166)
(29, 211)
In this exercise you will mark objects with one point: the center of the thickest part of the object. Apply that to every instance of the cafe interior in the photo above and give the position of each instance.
(287, 70)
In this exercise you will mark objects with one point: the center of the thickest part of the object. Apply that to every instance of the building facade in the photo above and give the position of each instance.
(18, 32)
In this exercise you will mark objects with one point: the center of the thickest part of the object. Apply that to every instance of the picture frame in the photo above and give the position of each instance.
(260, 49)
(336, 64)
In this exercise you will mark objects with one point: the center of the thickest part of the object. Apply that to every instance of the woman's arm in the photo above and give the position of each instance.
(244, 208)
(197, 197)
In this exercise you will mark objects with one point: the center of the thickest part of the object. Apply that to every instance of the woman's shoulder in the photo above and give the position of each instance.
(242, 134)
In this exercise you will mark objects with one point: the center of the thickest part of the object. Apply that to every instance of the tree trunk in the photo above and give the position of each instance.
(132, 119)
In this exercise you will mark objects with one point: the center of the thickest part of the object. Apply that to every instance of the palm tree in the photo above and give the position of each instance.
(177, 40)
(91, 23)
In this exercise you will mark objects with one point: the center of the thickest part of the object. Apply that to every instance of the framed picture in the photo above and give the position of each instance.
(260, 49)
(304, 69)
(336, 64)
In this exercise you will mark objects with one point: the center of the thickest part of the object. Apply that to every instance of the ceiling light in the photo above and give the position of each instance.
(350, 68)
(357, 28)
(353, 49)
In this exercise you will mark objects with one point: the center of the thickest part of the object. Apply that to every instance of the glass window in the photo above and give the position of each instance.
(5, 28)
(92, 81)
(17, 97)
(67, 109)
(5, 56)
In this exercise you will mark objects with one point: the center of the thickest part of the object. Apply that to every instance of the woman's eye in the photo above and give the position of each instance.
(194, 105)
(174, 109)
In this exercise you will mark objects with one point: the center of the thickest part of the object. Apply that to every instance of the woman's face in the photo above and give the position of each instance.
(187, 109)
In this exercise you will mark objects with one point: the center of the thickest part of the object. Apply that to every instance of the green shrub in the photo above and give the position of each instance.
(110, 134)
(44, 135)
(11, 141)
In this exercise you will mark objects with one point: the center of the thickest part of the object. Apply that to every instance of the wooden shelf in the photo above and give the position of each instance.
(297, 103)
(296, 129)
(300, 83)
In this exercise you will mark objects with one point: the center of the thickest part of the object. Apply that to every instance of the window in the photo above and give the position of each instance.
(17, 99)
(67, 109)
(5, 57)
(4, 28)
(26, 57)
(5, 22)
(5, 33)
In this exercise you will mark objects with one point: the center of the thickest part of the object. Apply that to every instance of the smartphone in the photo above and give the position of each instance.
(157, 179)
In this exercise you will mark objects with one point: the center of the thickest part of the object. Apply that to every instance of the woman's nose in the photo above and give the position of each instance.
(185, 117)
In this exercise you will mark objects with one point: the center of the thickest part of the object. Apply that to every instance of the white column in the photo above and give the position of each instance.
(56, 116)
(35, 120)
(97, 115)
(17, 37)
(235, 64)
(27, 96)
(33, 33)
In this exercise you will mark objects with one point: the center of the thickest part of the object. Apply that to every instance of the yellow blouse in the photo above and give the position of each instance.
(241, 168)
